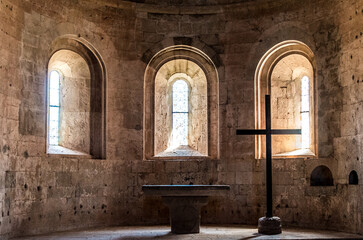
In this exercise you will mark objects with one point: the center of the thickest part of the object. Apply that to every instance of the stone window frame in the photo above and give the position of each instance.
(206, 64)
(262, 78)
(98, 93)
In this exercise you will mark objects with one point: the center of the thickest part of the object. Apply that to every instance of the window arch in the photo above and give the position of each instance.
(286, 72)
(81, 98)
(191, 66)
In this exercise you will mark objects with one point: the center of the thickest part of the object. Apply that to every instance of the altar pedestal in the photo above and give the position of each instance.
(185, 202)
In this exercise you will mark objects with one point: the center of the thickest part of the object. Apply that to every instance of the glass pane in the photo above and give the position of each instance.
(54, 103)
(305, 129)
(53, 132)
(54, 114)
(305, 103)
(54, 81)
(305, 126)
(180, 129)
(180, 96)
(54, 97)
(305, 86)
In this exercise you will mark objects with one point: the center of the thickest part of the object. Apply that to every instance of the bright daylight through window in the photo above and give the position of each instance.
(305, 113)
(54, 107)
(180, 113)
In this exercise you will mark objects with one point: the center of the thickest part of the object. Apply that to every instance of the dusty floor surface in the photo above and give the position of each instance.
(207, 232)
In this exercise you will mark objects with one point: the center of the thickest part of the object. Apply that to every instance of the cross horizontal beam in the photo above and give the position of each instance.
(264, 131)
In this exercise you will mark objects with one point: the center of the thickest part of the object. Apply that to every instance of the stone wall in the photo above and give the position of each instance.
(43, 193)
(10, 100)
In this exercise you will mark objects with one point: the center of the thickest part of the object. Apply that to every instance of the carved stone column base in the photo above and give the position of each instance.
(269, 225)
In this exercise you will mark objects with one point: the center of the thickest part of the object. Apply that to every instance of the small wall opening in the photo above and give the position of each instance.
(321, 176)
(353, 178)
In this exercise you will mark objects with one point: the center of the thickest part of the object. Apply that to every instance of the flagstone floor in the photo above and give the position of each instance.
(207, 232)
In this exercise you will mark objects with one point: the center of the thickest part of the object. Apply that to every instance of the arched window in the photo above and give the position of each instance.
(75, 99)
(69, 104)
(180, 114)
(54, 107)
(181, 105)
(291, 97)
(286, 72)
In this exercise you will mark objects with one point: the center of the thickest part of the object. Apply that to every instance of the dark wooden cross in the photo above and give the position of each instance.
(268, 132)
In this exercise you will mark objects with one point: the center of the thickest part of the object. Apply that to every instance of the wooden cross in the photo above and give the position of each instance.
(268, 132)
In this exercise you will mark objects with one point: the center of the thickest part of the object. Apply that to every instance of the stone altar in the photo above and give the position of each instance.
(184, 202)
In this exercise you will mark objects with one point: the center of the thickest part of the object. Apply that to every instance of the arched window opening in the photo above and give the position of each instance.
(291, 93)
(305, 123)
(353, 178)
(181, 123)
(180, 114)
(286, 72)
(76, 95)
(69, 104)
(54, 107)
(321, 176)
(197, 70)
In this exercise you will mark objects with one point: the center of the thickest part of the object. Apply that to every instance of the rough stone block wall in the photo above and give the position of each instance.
(43, 193)
(10, 99)
(348, 141)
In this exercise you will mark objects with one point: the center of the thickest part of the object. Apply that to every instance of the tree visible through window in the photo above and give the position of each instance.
(54, 107)
(180, 113)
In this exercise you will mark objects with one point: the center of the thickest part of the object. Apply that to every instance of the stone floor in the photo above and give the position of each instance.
(207, 232)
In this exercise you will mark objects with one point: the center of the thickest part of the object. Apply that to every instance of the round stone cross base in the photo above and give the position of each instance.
(269, 225)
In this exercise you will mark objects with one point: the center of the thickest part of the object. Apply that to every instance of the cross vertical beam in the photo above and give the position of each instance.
(269, 224)
(268, 157)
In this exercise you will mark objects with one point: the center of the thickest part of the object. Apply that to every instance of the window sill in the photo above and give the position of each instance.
(300, 153)
(179, 153)
(54, 150)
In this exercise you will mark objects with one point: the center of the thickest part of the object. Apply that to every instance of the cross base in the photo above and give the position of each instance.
(269, 225)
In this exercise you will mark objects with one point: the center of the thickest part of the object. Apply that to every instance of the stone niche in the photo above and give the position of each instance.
(75, 98)
(353, 178)
(321, 176)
